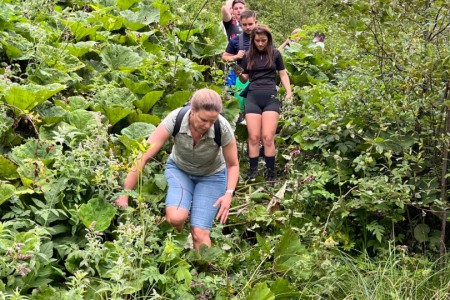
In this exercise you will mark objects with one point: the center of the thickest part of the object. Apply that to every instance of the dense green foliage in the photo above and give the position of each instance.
(360, 208)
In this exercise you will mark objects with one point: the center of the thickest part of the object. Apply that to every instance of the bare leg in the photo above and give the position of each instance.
(176, 216)
(254, 133)
(200, 236)
(269, 127)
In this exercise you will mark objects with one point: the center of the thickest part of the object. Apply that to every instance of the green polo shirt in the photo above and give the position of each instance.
(206, 157)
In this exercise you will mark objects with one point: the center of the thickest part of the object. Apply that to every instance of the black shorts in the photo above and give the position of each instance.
(259, 101)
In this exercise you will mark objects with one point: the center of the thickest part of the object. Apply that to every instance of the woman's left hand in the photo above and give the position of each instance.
(224, 210)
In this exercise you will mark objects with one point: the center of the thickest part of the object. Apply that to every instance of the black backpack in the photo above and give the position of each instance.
(183, 111)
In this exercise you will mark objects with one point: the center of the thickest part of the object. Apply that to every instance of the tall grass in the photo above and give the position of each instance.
(394, 275)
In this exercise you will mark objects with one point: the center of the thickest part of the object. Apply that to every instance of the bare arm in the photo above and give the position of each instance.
(285, 43)
(286, 83)
(243, 77)
(226, 11)
(227, 57)
(231, 159)
(156, 141)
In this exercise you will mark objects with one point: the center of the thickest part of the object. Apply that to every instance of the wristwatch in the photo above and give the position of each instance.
(230, 192)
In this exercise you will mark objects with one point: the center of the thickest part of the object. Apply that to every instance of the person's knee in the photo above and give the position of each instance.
(174, 218)
(200, 236)
(254, 140)
(268, 140)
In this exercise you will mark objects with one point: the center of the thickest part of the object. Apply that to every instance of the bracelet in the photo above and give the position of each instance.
(230, 192)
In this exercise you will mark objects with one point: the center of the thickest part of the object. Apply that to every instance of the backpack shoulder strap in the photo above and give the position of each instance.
(179, 119)
(241, 41)
(217, 133)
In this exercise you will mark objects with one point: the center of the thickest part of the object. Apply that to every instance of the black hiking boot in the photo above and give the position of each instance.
(252, 174)
(270, 176)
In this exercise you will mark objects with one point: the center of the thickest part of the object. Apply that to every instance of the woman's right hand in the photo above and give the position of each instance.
(122, 201)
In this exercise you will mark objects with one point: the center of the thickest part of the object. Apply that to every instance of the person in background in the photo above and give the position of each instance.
(260, 65)
(231, 13)
(293, 37)
(233, 52)
(319, 39)
(201, 175)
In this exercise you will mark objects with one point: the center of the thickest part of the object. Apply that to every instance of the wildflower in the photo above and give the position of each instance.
(18, 245)
(295, 152)
(24, 256)
(330, 242)
(23, 270)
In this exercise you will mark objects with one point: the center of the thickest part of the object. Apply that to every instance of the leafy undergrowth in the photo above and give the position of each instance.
(357, 209)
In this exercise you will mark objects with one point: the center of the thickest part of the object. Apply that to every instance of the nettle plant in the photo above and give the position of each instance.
(81, 86)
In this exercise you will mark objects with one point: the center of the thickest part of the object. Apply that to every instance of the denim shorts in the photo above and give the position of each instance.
(196, 194)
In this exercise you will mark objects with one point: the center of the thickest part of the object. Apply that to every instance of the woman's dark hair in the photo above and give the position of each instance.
(253, 53)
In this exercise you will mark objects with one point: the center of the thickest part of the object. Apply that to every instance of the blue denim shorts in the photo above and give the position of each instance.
(196, 194)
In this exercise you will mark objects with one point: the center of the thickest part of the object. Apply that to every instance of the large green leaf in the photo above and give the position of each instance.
(147, 102)
(283, 289)
(186, 34)
(81, 48)
(34, 149)
(82, 29)
(109, 22)
(135, 134)
(115, 113)
(177, 99)
(27, 97)
(141, 87)
(96, 210)
(165, 15)
(288, 250)
(73, 103)
(126, 4)
(6, 192)
(8, 170)
(138, 130)
(35, 175)
(61, 59)
(82, 119)
(137, 20)
(48, 76)
(6, 122)
(137, 116)
(261, 292)
(114, 103)
(62, 132)
(118, 57)
(16, 46)
(51, 114)
(421, 232)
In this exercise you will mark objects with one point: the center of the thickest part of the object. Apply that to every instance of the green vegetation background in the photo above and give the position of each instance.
(360, 208)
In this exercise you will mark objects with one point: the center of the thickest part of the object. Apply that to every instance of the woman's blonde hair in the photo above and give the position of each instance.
(206, 99)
